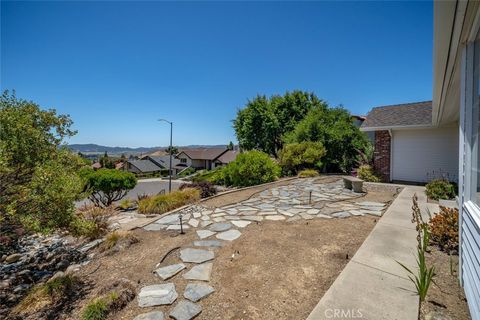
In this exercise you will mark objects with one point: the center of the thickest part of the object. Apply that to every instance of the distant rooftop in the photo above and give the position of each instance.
(399, 115)
(203, 153)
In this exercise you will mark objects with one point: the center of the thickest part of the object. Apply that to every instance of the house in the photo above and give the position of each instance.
(201, 158)
(408, 147)
(164, 162)
(142, 167)
(456, 102)
(225, 159)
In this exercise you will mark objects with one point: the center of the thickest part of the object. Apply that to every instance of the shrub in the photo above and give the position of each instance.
(444, 229)
(440, 189)
(308, 173)
(214, 176)
(186, 172)
(108, 185)
(366, 173)
(163, 203)
(250, 168)
(297, 156)
(91, 221)
(206, 188)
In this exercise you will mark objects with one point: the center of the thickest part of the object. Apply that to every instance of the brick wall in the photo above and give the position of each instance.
(381, 155)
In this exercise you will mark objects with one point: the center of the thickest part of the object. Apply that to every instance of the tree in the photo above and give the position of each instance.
(334, 128)
(230, 145)
(172, 150)
(250, 168)
(106, 162)
(263, 122)
(304, 155)
(38, 177)
(106, 186)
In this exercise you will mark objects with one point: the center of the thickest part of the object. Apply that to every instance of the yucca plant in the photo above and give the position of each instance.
(425, 275)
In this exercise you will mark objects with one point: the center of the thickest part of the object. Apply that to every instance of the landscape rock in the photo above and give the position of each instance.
(157, 294)
(197, 291)
(341, 214)
(196, 255)
(185, 310)
(240, 223)
(201, 272)
(169, 271)
(202, 234)
(208, 243)
(13, 258)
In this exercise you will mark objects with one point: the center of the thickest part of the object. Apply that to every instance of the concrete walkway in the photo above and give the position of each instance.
(373, 285)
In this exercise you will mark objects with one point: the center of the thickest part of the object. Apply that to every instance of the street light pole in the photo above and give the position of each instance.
(170, 151)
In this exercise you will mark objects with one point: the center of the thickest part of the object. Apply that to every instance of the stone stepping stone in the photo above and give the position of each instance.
(294, 218)
(157, 294)
(200, 272)
(197, 215)
(185, 310)
(219, 219)
(169, 271)
(371, 212)
(252, 218)
(267, 212)
(324, 216)
(275, 218)
(229, 235)
(208, 243)
(313, 211)
(205, 223)
(341, 214)
(240, 224)
(177, 227)
(286, 213)
(306, 216)
(154, 315)
(205, 218)
(216, 215)
(197, 291)
(220, 226)
(193, 222)
(371, 204)
(207, 212)
(171, 219)
(154, 227)
(356, 213)
(202, 234)
(196, 255)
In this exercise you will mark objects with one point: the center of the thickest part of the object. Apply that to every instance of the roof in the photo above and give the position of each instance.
(164, 161)
(203, 153)
(228, 156)
(145, 165)
(417, 114)
(96, 165)
(119, 165)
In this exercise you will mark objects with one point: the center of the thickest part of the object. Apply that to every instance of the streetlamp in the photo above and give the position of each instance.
(170, 151)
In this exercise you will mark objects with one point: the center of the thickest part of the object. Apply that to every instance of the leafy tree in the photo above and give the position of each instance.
(230, 145)
(107, 185)
(263, 122)
(106, 161)
(334, 128)
(250, 168)
(304, 155)
(38, 178)
(172, 150)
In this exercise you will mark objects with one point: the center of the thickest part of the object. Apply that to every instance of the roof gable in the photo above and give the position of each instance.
(418, 114)
(203, 153)
(145, 165)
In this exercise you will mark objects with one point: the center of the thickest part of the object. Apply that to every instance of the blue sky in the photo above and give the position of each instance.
(116, 67)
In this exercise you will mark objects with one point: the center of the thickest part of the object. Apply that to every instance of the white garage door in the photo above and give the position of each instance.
(420, 155)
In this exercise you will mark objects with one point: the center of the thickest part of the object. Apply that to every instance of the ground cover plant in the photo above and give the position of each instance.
(440, 189)
(444, 229)
(165, 202)
(308, 173)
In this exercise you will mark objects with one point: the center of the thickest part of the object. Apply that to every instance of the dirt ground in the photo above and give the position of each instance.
(275, 270)
(273, 273)
(445, 297)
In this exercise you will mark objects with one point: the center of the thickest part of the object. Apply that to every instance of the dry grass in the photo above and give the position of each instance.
(163, 203)
(118, 239)
(92, 221)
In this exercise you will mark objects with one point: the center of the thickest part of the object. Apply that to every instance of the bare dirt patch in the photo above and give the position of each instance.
(445, 297)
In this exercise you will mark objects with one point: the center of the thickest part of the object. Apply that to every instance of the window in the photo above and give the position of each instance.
(183, 160)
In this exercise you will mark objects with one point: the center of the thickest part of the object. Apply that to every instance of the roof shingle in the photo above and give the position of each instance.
(408, 114)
